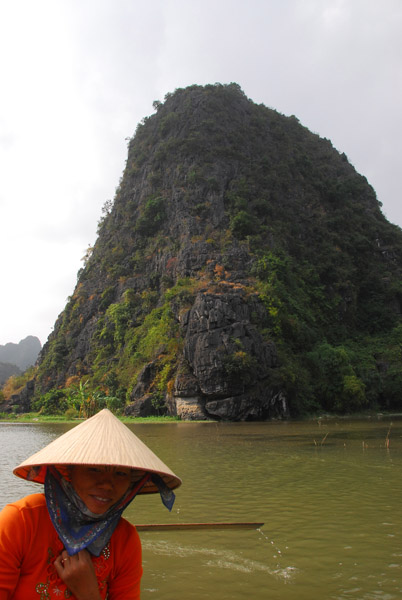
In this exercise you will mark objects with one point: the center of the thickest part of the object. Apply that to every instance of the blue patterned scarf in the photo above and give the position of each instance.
(78, 527)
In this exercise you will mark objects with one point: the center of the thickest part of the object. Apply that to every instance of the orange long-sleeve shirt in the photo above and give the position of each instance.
(29, 545)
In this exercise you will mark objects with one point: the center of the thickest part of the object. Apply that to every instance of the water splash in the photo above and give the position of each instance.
(275, 547)
(221, 559)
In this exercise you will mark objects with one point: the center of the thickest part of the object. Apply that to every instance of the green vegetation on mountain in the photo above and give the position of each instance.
(242, 257)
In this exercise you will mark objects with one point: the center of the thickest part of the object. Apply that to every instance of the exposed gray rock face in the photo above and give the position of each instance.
(218, 331)
(226, 365)
(257, 406)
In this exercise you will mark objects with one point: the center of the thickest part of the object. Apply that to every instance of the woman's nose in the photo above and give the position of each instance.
(106, 480)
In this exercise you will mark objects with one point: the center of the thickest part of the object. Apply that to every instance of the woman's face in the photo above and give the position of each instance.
(99, 487)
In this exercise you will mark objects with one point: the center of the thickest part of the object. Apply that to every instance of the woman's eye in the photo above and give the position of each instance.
(121, 474)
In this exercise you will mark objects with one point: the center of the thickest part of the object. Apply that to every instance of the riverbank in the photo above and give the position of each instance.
(38, 418)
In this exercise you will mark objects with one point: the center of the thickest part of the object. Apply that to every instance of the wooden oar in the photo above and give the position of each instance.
(175, 526)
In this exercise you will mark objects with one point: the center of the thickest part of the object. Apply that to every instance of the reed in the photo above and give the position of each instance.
(387, 436)
(322, 441)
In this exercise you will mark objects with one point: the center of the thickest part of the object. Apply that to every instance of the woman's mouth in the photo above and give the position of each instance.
(101, 501)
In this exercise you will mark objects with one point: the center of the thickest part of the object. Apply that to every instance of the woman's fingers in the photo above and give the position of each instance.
(76, 563)
(67, 566)
(78, 574)
(60, 562)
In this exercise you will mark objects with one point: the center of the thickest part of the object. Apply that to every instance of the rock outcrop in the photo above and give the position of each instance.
(226, 363)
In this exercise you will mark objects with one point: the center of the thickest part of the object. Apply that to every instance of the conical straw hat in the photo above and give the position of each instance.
(101, 440)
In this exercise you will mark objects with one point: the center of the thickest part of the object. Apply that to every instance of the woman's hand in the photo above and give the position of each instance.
(78, 574)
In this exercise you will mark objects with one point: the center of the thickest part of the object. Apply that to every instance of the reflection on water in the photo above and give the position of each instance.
(329, 493)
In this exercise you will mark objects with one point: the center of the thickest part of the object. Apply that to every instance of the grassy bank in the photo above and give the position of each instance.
(38, 418)
(34, 417)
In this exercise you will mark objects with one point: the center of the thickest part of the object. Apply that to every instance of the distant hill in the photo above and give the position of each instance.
(244, 271)
(23, 355)
(6, 370)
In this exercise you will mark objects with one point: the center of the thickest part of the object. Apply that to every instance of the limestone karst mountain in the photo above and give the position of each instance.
(23, 354)
(244, 271)
(7, 370)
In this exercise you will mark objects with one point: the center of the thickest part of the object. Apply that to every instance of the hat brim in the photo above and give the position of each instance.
(100, 440)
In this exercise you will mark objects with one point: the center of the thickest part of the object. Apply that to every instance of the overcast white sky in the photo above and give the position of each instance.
(77, 76)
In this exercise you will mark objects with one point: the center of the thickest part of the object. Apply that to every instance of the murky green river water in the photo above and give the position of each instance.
(329, 493)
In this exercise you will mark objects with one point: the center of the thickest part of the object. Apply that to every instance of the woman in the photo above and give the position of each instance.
(71, 541)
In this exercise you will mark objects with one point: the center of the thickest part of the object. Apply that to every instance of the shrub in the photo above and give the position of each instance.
(52, 403)
(353, 394)
(336, 385)
(240, 366)
(243, 224)
(115, 404)
(71, 413)
(152, 217)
